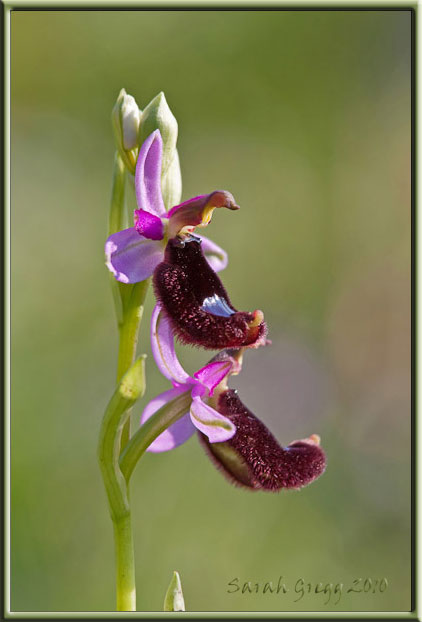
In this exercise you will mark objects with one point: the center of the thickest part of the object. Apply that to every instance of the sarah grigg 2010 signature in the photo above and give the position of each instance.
(299, 588)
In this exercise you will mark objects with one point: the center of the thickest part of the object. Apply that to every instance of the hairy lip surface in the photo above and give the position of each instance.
(197, 304)
(253, 457)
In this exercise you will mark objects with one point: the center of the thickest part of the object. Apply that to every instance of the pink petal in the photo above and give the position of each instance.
(162, 344)
(131, 257)
(213, 373)
(148, 175)
(177, 433)
(216, 427)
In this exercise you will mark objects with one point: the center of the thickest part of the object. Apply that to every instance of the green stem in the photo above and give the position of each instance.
(131, 387)
(148, 432)
(129, 329)
(128, 336)
(125, 564)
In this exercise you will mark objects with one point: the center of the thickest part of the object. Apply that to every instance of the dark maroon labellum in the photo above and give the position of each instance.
(195, 301)
(253, 458)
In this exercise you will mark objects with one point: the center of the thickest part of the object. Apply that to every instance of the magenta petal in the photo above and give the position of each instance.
(162, 344)
(148, 175)
(212, 374)
(214, 254)
(216, 427)
(131, 257)
(148, 225)
(177, 433)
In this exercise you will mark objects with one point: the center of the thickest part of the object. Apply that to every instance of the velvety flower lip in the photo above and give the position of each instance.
(201, 416)
(132, 254)
(254, 459)
(196, 303)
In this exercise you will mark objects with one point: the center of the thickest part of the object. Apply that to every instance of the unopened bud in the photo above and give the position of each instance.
(131, 117)
(132, 385)
(158, 116)
(126, 118)
(174, 600)
(171, 183)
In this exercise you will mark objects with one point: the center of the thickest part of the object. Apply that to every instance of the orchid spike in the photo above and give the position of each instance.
(196, 303)
(133, 254)
(201, 386)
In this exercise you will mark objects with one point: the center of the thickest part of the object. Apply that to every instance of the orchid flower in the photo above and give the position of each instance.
(196, 303)
(133, 254)
(237, 441)
(201, 386)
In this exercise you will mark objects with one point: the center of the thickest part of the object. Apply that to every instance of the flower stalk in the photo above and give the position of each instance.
(115, 429)
(133, 308)
(125, 564)
(129, 390)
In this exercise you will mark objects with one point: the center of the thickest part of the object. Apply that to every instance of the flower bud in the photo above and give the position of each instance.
(126, 117)
(158, 116)
(132, 385)
(174, 600)
(171, 183)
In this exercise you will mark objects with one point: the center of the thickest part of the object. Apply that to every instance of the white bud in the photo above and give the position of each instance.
(126, 118)
(130, 119)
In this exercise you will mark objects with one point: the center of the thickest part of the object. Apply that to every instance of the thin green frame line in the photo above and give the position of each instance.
(166, 4)
(210, 615)
(217, 4)
(6, 251)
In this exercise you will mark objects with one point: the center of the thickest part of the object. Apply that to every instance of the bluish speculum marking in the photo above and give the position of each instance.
(217, 306)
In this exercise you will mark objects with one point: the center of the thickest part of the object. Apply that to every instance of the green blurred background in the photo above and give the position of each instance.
(305, 118)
